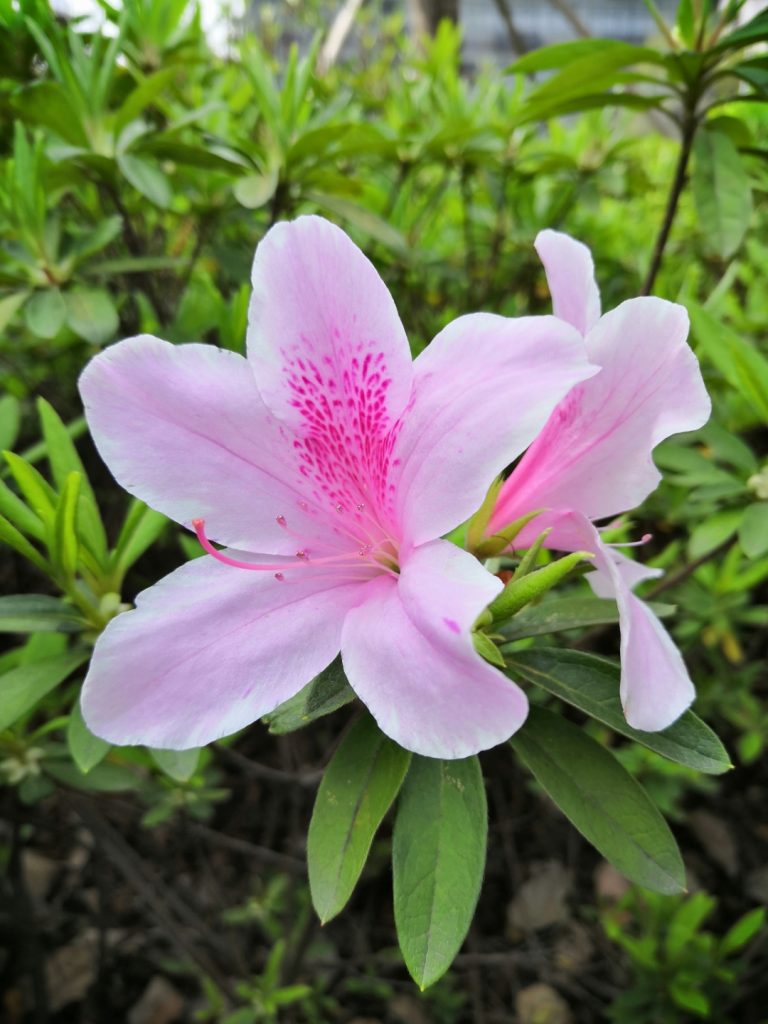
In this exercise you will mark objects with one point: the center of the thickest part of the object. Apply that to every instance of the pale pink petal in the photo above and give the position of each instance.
(594, 454)
(184, 429)
(571, 279)
(208, 650)
(655, 686)
(408, 653)
(483, 389)
(330, 358)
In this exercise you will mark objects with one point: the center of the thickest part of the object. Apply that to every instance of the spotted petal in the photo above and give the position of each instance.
(184, 429)
(408, 654)
(483, 389)
(594, 454)
(208, 650)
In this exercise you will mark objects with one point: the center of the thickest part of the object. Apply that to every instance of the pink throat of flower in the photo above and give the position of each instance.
(363, 562)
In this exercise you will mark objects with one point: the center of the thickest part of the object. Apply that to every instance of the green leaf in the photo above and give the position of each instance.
(10, 420)
(487, 649)
(713, 531)
(743, 931)
(86, 749)
(141, 528)
(103, 778)
(180, 765)
(37, 613)
(24, 686)
(563, 613)
(739, 362)
(438, 859)
(146, 178)
(591, 684)
(753, 531)
(9, 305)
(520, 592)
(19, 513)
(145, 93)
(358, 787)
(44, 313)
(686, 921)
(39, 494)
(10, 535)
(255, 190)
(722, 192)
(65, 548)
(561, 55)
(601, 799)
(359, 217)
(754, 31)
(91, 314)
(48, 104)
(63, 459)
(686, 23)
(327, 692)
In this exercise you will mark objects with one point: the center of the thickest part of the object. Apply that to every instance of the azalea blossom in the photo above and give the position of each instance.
(593, 460)
(329, 465)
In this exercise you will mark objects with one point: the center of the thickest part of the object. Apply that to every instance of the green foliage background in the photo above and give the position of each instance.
(138, 170)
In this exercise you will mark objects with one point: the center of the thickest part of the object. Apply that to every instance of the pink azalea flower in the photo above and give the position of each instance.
(329, 465)
(593, 460)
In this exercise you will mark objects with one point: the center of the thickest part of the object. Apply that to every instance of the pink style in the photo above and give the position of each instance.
(593, 460)
(329, 465)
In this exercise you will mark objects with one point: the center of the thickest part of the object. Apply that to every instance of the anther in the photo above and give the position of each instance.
(279, 577)
(360, 507)
(302, 554)
(339, 507)
(281, 521)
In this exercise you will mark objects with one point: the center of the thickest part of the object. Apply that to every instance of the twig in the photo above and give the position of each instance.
(571, 17)
(688, 570)
(340, 29)
(248, 849)
(516, 40)
(263, 771)
(151, 890)
(690, 125)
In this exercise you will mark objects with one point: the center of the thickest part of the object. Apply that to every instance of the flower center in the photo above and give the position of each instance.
(374, 552)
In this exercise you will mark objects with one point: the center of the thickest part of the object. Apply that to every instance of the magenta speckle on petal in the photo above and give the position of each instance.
(453, 625)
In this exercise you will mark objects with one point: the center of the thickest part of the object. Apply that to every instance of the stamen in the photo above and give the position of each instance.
(281, 521)
(630, 543)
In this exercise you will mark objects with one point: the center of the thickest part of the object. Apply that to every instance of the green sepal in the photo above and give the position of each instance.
(487, 649)
(500, 540)
(521, 591)
(477, 524)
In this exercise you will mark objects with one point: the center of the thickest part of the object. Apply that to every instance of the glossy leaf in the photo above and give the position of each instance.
(438, 859)
(753, 531)
(326, 693)
(739, 362)
(358, 788)
(591, 684)
(601, 799)
(44, 313)
(92, 315)
(563, 613)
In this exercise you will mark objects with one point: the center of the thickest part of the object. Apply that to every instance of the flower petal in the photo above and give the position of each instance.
(408, 653)
(594, 454)
(483, 389)
(331, 358)
(655, 686)
(208, 650)
(322, 324)
(184, 429)
(571, 279)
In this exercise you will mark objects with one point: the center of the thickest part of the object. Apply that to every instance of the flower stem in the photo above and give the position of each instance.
(690, 124)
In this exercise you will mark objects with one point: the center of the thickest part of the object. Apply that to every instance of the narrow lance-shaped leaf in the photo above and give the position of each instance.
(438, 859)
(64, 550)
(23, 687)
(722, 191)
(326, 693)
(601, 799)
(359, 785)
(592, 685)
(37, 613)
